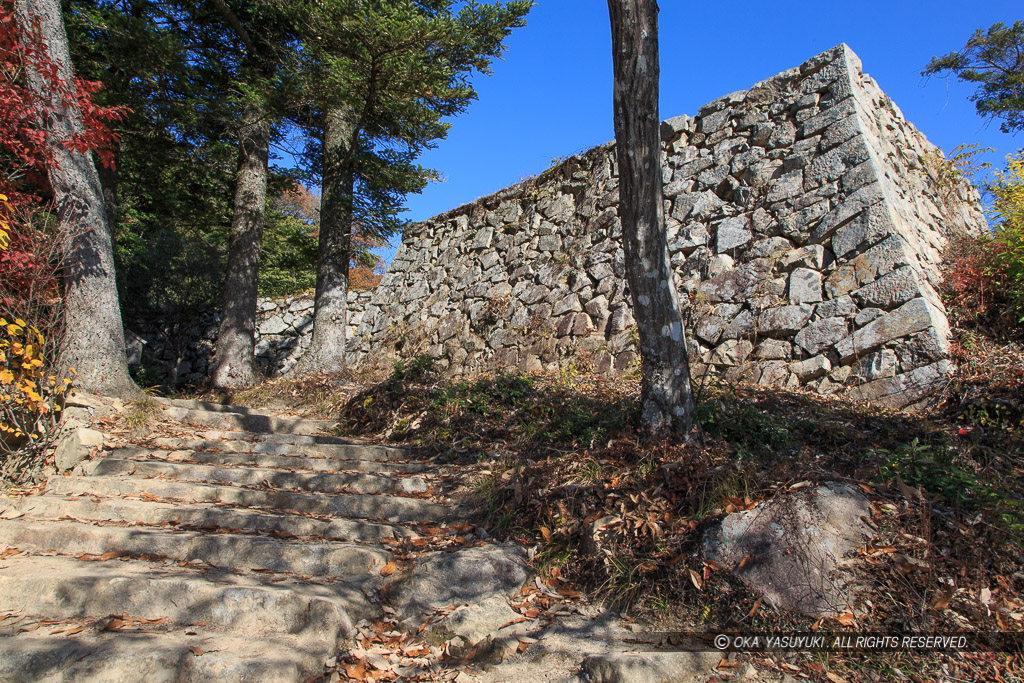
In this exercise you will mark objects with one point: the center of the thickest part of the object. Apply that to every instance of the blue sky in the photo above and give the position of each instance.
(551, 94)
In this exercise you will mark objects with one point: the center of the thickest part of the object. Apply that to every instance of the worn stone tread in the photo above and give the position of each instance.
(272, 461)
(322, 482)
(287, 438)
(390, 508)
(126, 657)
(328, 559)
(204, 516)
(248, 420)
(62, 588)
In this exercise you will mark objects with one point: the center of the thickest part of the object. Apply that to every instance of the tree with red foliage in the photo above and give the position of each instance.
(48, 127)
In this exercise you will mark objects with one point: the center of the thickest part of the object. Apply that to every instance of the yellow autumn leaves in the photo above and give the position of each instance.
(5, 222)
(27, 393)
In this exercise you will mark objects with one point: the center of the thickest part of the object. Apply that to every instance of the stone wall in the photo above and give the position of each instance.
(179, 346)
(805, 221)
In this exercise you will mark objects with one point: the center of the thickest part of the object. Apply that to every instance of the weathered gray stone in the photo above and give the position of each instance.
(804, 286)
(784, 320)
(466, 576)
(906, 389)
(649, 667)
(878, 365)
(822, 334)
(774, 349)
(76, 446)
(275, 325)
(812, 368)
(482, 239)
(792, 547)
(731, 234)
(889, 291)
(732, 352)
(913, 316)
(812, 256)
(843, 307)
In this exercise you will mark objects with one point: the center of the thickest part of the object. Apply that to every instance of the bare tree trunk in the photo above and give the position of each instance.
(667, 396)
(93, 342)
(235, 363)
(326, 351)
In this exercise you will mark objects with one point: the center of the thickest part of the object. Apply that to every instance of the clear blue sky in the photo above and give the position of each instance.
(551, 94)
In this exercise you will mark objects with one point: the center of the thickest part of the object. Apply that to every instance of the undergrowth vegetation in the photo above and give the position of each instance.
(554, 460)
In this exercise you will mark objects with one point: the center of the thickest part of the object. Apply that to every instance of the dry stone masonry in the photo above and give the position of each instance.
(805, 217)
(183, 349)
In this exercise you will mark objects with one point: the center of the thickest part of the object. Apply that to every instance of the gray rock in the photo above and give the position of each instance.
(812, 368)
(822, 334)
(774, 349)
(898, 287)
(732, 352)
(549, 243)
(906, 389)
(483, 239)
(466, 576)
(911, 317)
(78, 445)
(812, 256)
(878, 365)
(843, 307)
(784, 320)
(805, 286)
(731, 234)
(276, 325)
(478, 621)
(709, 328)
(649, 667)
(792, 547)
(789, 185)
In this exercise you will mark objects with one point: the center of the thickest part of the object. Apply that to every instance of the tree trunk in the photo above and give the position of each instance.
(93, 338)
(326, 351)
(235, 364)
(667, 396)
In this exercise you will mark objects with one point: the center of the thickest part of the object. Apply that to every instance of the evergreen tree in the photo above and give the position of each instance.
(385, 75)
(994, 59)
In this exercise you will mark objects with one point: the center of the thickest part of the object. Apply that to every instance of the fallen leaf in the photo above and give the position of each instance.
(846, 619)
(942, 598)
(695, 578)
(757, 606)
(388, 569)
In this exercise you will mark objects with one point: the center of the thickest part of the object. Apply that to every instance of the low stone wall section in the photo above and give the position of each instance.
(180, 346)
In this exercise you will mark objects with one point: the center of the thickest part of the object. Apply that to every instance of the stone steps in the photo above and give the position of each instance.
(231, 434)
(326, 559)
(389, 508)
(63, 588)
(205, 517)
(246, 420)
(322, 482)
(128, 657)
(230, 551)
(285, 462)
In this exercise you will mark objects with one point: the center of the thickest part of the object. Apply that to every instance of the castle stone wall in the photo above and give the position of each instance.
(805, 221)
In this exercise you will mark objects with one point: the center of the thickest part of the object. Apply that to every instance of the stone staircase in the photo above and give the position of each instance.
(247, 546)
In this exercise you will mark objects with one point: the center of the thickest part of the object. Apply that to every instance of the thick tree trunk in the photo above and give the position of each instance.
(667, 396)
(93, 338)
(235, 364)
(326, 351)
